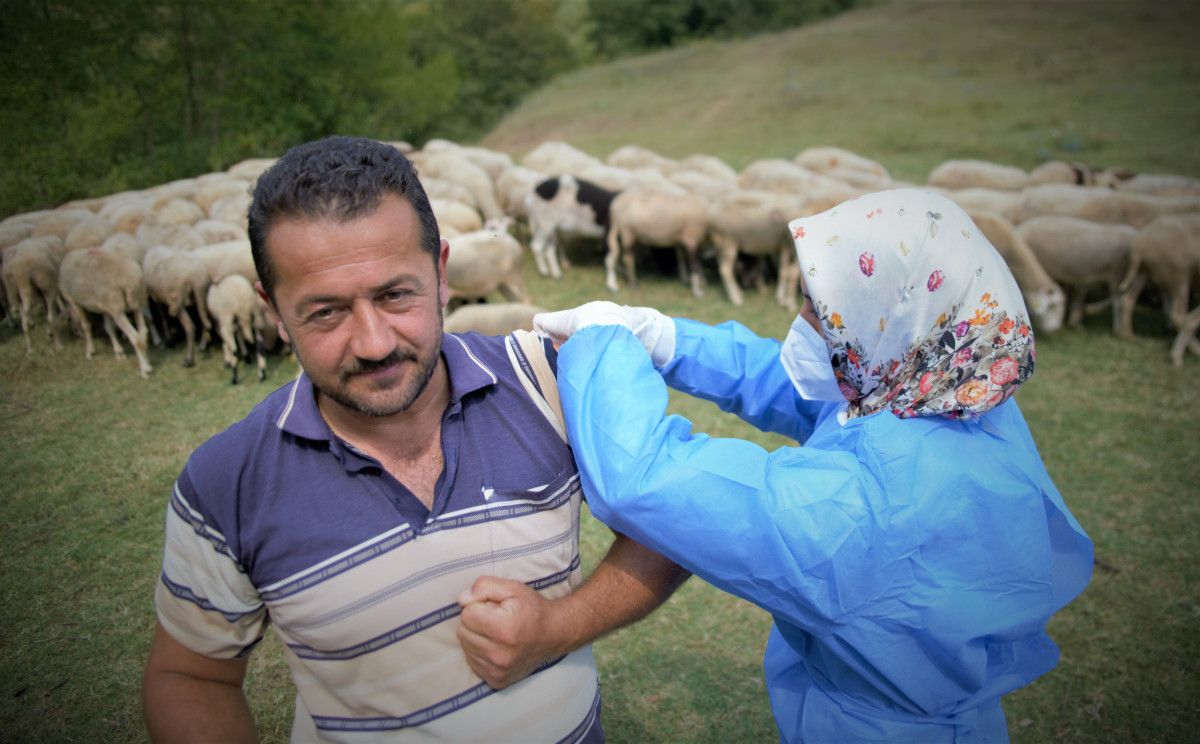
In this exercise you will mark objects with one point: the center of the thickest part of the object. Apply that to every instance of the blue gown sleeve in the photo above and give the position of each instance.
(740, 371)
(725, 509)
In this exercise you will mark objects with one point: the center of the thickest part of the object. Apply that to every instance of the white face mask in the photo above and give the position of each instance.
(806, 358)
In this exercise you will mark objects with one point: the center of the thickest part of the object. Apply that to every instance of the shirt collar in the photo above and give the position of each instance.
(302, 418)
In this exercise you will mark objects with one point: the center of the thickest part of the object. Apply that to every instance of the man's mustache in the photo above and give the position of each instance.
(366, 366)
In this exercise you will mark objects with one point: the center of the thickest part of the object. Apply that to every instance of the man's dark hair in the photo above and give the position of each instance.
(340, 178)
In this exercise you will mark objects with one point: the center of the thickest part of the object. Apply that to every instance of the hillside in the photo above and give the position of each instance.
(907, 83)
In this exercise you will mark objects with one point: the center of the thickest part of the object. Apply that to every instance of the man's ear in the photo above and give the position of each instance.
(443, 282)
(274, 312)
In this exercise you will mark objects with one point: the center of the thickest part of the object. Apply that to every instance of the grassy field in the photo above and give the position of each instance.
(909, 84)
(90, 451)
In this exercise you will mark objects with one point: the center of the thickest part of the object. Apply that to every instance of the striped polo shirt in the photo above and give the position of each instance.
(277, 520)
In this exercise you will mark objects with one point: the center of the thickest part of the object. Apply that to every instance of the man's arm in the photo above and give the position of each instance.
(508, 629)
(188, 697)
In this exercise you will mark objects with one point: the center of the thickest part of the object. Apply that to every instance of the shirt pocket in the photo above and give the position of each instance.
(534, 532)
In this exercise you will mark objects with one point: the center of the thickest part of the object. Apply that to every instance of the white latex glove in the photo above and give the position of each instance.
(654, 330)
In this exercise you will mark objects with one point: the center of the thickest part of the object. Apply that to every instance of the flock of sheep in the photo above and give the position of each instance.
(181, 247)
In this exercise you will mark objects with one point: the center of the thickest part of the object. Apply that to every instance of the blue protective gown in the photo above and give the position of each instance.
(910, 565)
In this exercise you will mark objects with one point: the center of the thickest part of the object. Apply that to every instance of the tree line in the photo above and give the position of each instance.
(98, 96)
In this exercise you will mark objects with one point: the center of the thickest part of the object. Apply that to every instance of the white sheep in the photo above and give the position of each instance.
(1044, 299)
(59, 222)
(1007, 204)
(1058, 171)
(1161, 184)
(649, 217)
(493, 162)
(514, 186)
(830, 160)
(88, 232)
(128, 212)
(126, 245)
(185, 237)
(178, 279)
(965, 174)
(709, 165)
(229, 257)
(756, 223)
(491, 318)
(180, 189)
(702, 184)
(483, 261)
(209, 191)
(1077, 253)
(608, 177)
(240, 317)
(250, 169)
(1099, 204)
(178, 212)
(216, 231)
(455, 218)
(91, 204)
(558, 158)
(633, 157)
(785, 177)
(110, 284)
(234, 209)
(440, 188)
(457, 168)
(30, 272)
(654, 180)
(1167, 251)
(14, 231)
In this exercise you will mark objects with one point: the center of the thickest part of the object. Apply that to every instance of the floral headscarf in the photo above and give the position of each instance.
(920, 313)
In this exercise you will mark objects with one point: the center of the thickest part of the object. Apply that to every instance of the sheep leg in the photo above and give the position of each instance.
(1188, 325)
(1123, 305)
(545, 252)
(25, 307)
(682, 265)
(85, 327)
(112, 336)
(692, 255)
(514, 290)
(137, 340)
(1176, 302)
(537, 246)
(560, 256)
(157, 334)
(726, 256)
(1075, 314)
(202, 311)
(610, 260)
(51, 316)
(226, 331)
(629, 258)
(789, 278)
(259, 357)
(189, 333)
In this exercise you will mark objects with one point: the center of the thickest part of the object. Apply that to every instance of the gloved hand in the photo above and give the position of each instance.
(655, 330)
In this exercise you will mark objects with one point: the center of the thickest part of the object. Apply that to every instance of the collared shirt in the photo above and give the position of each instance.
(278, 518)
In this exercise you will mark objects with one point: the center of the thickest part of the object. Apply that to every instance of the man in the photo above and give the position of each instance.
(404, 512)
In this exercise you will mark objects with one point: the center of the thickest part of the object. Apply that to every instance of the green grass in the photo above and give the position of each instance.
(90, 451)
(909, 84)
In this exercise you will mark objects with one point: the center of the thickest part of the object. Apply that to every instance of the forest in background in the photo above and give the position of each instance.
(99, 96)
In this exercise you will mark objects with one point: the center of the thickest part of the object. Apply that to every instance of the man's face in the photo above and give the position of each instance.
(361, 304)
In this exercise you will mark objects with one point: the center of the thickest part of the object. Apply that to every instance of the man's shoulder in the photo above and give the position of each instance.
(224, 455)
(493, 351)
